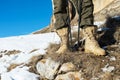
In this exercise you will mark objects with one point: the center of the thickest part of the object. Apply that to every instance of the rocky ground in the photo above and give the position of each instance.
(110, 10)
(81, 66)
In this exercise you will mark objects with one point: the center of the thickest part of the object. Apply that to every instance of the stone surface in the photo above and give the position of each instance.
(47, 68)
(67, 67)
(70, 76)
(101, 4)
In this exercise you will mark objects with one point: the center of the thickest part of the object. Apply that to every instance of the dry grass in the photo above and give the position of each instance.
(12, 66)
(52, 48)
(107, 76)
(13, 52)
(33, 50)
(89, 64)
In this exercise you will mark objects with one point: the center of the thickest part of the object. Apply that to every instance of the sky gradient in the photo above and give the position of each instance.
(20, 17)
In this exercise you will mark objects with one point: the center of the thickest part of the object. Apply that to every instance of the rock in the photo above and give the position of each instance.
(70, 76)
(67, 67)
(47, 68)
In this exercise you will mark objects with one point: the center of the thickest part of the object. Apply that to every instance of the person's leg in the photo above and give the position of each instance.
(60, 13)
(86, 13)
(91, 44)
(61, 25)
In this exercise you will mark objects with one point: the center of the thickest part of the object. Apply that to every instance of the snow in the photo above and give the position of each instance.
(27, 43)
(98, 23)
(112, 58)
(29, 46)
(108, 68)
(19, 74)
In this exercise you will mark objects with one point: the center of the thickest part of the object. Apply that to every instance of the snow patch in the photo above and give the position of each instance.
(112, 58)
(19, 73)
(27, 43)
(108, 68)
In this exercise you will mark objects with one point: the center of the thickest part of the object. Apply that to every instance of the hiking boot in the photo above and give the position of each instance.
(91, 45)
(63, 34)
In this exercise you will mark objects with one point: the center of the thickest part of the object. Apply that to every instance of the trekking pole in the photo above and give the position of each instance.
(76, 46)
(79, 43)
(79, 20)
(69, 28)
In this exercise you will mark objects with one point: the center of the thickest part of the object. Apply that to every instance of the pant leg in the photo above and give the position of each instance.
(60, 13)
(87, 13)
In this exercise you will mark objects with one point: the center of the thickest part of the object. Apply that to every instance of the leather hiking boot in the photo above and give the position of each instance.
(63, 34)
(91, 45)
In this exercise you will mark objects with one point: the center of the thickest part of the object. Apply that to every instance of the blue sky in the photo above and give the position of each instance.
(19, 17)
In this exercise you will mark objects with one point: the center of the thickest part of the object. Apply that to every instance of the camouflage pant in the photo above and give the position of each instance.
(61, 14)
